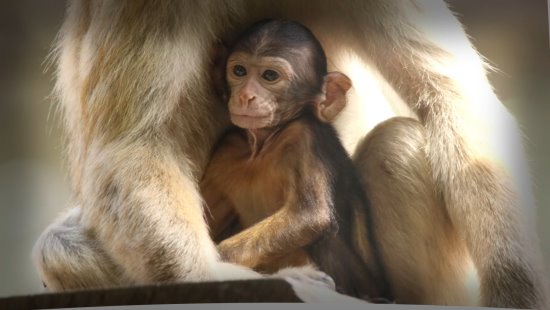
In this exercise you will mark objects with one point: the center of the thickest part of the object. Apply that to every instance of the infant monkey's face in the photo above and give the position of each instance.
(258, 87)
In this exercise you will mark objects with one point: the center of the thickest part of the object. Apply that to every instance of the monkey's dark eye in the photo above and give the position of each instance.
(270, 75)
(239, 70)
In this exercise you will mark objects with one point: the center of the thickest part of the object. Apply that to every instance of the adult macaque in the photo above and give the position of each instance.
(142, 117)
(285, 173)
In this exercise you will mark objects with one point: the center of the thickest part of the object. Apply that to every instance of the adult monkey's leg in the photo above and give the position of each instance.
(424, 258)
(473, 144)
(140, 119)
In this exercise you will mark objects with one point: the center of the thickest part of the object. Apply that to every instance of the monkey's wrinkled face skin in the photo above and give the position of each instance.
(258, 89)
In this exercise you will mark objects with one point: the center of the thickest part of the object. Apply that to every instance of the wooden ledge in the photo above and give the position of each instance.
(243, 291)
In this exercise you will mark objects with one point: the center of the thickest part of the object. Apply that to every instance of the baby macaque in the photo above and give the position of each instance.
(282, 175)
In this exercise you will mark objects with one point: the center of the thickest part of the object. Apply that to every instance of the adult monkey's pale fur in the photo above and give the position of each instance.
(142, 118)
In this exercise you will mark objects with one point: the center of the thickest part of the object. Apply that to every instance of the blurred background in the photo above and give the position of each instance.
(511, 34)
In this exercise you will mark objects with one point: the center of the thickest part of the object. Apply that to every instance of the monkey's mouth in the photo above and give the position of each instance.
(250, 121)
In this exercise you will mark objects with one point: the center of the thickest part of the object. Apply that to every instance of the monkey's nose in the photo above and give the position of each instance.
(246, 98)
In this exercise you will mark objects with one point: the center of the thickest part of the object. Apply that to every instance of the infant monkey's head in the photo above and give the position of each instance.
(275, 70)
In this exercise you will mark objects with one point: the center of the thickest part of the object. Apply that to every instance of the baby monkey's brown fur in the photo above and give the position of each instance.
(284, 176)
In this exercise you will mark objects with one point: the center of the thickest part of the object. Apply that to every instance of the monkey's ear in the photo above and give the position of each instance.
(336, 86)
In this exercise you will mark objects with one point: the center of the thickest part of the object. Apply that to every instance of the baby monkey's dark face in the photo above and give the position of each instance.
(259, 87)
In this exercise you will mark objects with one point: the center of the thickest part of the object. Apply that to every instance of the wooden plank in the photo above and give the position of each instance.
(244, 291)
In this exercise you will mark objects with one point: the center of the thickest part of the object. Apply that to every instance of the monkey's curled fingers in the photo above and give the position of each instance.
(234, 250)
(229, 252)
